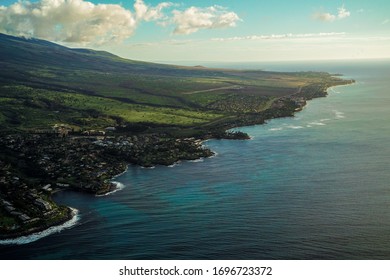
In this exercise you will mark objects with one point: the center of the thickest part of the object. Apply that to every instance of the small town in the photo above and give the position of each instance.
(36, 164)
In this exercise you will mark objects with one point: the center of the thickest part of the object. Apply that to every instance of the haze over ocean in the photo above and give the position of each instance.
(311, 187)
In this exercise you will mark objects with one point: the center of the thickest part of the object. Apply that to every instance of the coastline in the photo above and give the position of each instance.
(110, 186)
(299, 106)
(39, 233)
(118, 187)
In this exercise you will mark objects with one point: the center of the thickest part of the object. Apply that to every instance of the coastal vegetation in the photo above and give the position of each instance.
(45, 84)
(74, 118)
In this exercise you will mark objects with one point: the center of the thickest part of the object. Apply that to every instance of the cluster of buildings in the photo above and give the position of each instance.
(73, 162)
(33, 165)
(11, 210)
(21, 202)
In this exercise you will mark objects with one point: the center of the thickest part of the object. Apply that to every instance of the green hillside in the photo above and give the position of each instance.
(43, 84)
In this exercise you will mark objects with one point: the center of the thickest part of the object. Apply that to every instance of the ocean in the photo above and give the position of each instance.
(316, 186)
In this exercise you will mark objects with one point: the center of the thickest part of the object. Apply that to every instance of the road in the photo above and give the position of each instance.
(213, 89)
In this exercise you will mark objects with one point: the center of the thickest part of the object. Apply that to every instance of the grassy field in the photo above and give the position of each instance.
(42, 84)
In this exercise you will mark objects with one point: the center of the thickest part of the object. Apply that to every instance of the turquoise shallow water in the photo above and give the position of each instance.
(316, 186)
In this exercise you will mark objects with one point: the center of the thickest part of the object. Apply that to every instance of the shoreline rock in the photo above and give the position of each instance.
(10, 238)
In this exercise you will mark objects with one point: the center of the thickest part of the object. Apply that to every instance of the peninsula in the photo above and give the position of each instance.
(72, 119)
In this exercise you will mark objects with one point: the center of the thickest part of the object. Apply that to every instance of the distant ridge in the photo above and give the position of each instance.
(41, 52)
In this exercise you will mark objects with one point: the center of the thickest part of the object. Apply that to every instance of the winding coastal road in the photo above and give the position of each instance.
(213, 89)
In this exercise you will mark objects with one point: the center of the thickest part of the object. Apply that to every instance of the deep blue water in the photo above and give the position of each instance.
(316, 186)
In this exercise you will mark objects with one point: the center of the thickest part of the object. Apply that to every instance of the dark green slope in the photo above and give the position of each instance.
(34, 52)
(43, 84)
(37, 76)
(39, 53)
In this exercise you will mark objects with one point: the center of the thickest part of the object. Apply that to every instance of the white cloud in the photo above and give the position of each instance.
(147, 13)
(76, 21)
(83, 22)
(193, 19)
(328, 17)
(386, 21)
(73, 21)
(282, 36)
(324, 17)
(343, 13)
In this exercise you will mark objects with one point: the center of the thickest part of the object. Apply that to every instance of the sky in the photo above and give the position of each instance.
(208, 30)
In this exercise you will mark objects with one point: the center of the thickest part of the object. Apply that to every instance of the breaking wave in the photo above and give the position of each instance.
(119, 187)
(295, 127)
(338, 114)
(197, 160)
(39, 235)
(317, 123)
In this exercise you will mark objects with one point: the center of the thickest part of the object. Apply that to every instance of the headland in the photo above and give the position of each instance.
(72, 119)
(37, 164)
